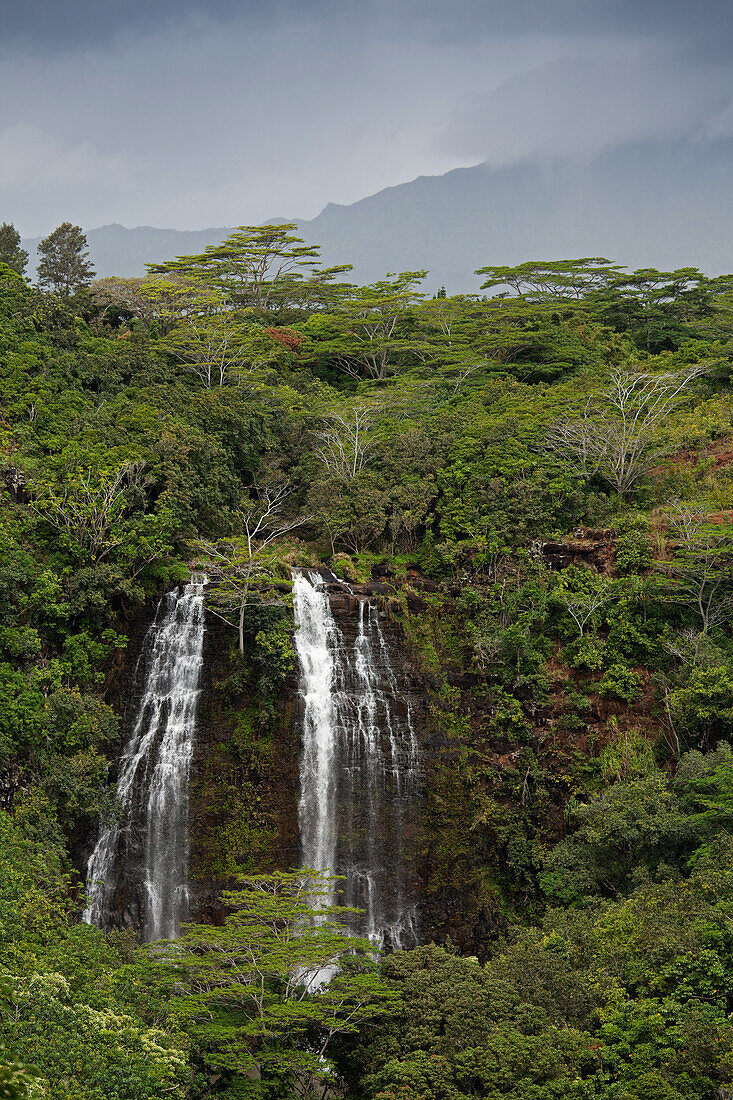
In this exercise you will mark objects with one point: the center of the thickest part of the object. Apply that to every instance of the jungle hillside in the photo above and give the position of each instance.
(533, 484)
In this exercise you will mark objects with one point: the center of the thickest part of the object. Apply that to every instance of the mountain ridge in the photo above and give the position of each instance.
(663, 204)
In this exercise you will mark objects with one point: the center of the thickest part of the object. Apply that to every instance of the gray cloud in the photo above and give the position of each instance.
(184, 113)
(597, 98)
(59, 24)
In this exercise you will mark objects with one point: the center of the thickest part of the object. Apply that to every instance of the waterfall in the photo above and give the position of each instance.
(359, 763)
(152, 787)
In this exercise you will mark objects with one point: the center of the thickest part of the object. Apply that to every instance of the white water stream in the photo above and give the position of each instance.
(152, 785)
(359, 763)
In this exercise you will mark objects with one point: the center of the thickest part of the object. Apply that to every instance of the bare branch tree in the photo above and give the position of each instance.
(582, 607)
(217, 349)
(346, 442)
(620, 441)
(237, 566)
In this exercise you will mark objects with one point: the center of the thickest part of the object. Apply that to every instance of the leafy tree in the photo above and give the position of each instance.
(583, 593)
(701, 570)
(658, 308)
(353, 510)
(64, 264)
(372, 322)
(156, 302)
(702, 709)
(251, 992)
(554, 279)
(10, 251)
(633, 825)
(100, 516)
(461, 1033)
(261, 267)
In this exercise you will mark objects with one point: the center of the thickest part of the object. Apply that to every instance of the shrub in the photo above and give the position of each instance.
(620, 682)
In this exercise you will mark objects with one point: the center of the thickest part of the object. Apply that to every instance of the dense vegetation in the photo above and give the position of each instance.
(544, 471)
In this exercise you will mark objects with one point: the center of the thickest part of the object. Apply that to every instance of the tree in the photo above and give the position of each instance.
(352, 509)
(655, 307)
(462, 1033)
(701, 571)
(703, 707)
(100, 516)
(453, 332)
(372, 321)
(259, 267)
(550, 280)
(617, 437)
(346, 441)
(10, 251)
(155, 301)
(64, 260)
(586, 600)
(236, 567)
(252, 991)
(631, 824)
(217, 348)
(87, 511)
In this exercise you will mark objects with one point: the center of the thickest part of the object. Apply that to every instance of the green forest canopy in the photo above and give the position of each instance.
(247, 410)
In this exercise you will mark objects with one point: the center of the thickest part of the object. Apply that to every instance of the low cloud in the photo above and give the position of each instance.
(28, 156)
(582, 105)
(172, 113)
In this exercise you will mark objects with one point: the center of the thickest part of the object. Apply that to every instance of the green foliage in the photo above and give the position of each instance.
(703, 708)
(10, 251)
(146, 425)
(64, 260)
(274, 651)
(251, 991)
(633, 551)
(620, 682)
(463, 1032)
(621, 834)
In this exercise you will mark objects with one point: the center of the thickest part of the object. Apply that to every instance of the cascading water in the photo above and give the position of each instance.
(151, 834)
(359, 763)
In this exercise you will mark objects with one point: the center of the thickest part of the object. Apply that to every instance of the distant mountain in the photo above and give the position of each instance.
(662, 205)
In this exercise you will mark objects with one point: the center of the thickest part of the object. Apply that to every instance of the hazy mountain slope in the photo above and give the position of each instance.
(663, 205)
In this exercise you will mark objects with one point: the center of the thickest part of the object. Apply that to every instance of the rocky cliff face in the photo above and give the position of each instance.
(244, 780)
(245, 785)
(478, 776)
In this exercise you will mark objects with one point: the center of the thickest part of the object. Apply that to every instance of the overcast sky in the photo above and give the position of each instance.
(180, 114)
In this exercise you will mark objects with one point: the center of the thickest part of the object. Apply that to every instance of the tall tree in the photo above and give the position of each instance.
(618, 437)
(64, 265)
(372, 326)
(659, 309)
(552, 280)
(261, 267)
(252, 993)
(10, 251)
